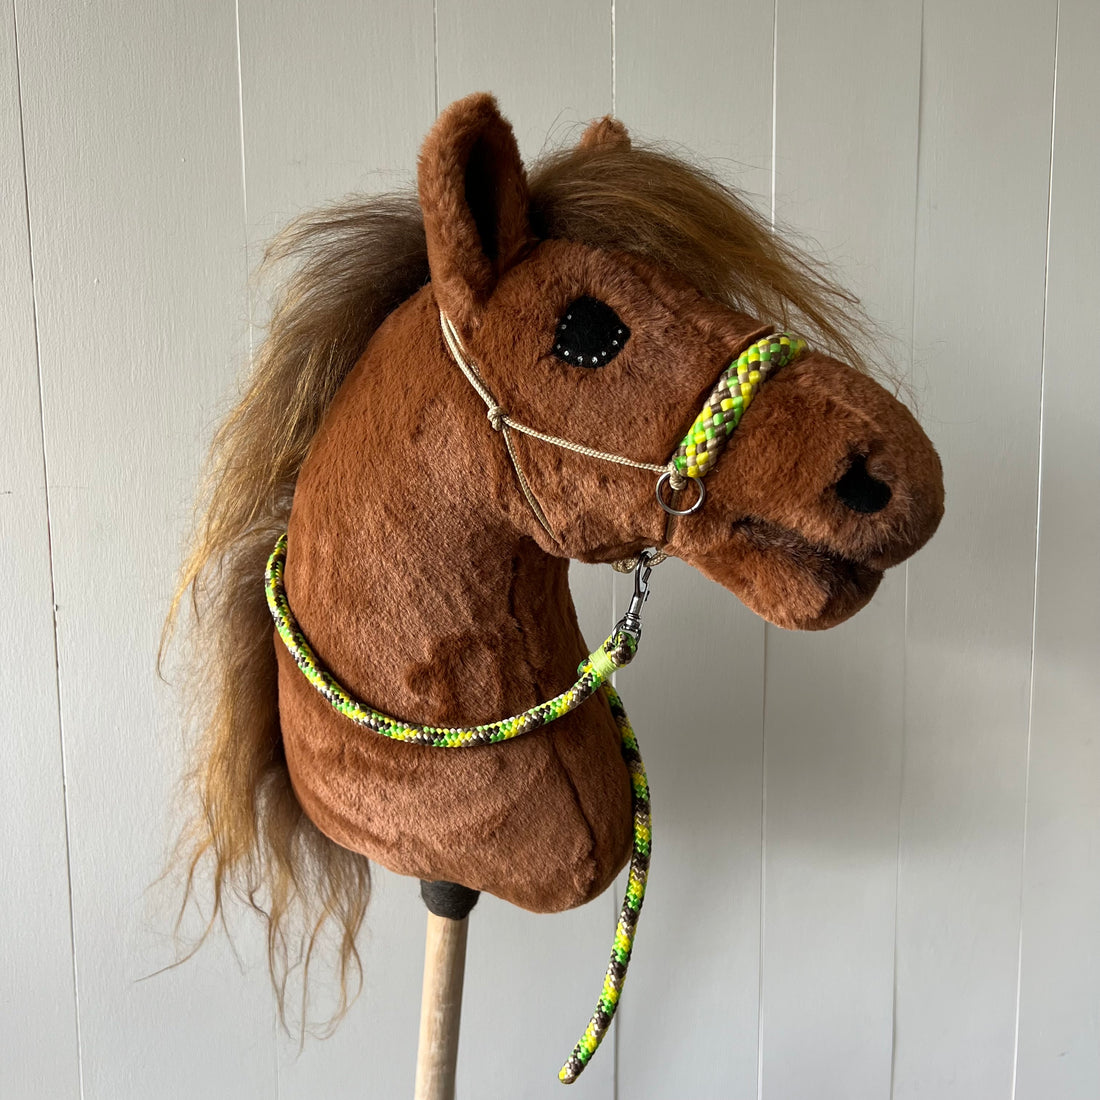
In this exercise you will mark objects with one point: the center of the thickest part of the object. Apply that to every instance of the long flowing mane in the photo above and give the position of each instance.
(352, 264)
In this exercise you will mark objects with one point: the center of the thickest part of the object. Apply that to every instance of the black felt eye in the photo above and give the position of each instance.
(589, 334)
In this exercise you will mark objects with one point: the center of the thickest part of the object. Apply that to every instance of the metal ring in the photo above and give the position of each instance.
(680, 511)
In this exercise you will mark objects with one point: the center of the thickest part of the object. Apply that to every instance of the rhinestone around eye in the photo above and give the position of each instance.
(589, 333)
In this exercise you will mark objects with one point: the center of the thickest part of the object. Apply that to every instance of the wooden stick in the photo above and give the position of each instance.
(441, 1007)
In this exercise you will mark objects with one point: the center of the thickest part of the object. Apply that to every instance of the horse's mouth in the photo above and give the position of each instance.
(802, 585)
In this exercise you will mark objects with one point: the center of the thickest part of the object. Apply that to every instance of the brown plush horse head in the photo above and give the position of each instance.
(597, 304)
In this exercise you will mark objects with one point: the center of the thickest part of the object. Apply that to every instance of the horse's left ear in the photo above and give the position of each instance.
(473, 194)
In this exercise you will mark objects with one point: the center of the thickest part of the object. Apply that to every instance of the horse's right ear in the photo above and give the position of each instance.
(605, 133)
(473, 194)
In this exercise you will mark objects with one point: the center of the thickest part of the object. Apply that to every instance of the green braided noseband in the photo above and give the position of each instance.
(593, 673)
(737, 385)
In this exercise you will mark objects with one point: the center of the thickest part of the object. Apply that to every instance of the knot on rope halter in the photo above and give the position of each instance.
(503, 423)
(628, 565)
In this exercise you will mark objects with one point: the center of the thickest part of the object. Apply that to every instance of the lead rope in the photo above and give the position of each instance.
(593, 673)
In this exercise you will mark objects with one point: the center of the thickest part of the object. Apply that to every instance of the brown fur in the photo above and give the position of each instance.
(605, 133)
(416, 567)
(783, 541)
(473, 192)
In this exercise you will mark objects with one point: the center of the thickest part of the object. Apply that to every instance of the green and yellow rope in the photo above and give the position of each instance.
(613, 980)
(616, 652)
(734, 391)
(593, 673)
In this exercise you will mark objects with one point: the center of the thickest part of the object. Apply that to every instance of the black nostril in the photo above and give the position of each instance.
(860, 491)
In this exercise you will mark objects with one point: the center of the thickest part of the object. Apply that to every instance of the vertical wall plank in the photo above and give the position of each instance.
(846, 174)
(690, 1013)
(38, 1006)
(981, 244)
(549, 65)
(343, 112)
(676, 82)
(1059, 1012)
(136, 229)
(550, 68)
(690, 1019)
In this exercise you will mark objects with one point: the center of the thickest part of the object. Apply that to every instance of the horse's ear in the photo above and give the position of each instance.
(605, 133)
(473, 194)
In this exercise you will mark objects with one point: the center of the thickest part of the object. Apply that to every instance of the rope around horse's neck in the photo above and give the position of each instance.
(593, 673)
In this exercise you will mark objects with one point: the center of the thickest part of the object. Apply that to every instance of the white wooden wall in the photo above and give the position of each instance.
(881, 877)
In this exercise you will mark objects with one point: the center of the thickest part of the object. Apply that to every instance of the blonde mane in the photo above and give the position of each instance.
(352, 264)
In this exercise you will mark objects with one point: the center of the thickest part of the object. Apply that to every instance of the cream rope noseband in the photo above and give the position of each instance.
(502, 422)
(698, 451)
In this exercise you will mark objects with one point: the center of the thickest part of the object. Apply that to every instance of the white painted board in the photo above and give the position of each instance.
(845, 180)
(1058, 1049)
(37, 998)
(987, 75)
(136, 226)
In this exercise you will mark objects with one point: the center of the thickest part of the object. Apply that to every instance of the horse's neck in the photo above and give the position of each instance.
(456, 618)
(490, 634)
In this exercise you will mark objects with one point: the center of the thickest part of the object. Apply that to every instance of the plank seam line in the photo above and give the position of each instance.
(762, 909)
(1035, 583)
(614, 61)
(763, 866)
(775, 100)
(240, 118)
(905, 613)
(620, 1019)
(435, 56)
(248, 308)
(49, 547)
(619, 1023)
